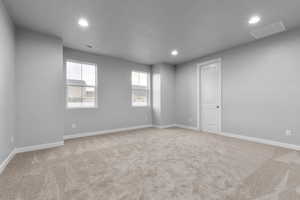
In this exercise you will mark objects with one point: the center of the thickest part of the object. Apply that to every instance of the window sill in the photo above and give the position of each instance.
(81, 108)
(140, 106)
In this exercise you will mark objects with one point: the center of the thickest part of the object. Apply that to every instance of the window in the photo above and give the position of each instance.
(81, 85)
(140, 88)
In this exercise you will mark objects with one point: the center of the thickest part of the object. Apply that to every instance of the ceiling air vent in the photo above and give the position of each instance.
(267, 30)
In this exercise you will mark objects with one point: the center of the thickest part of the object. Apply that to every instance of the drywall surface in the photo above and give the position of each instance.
(186, 95)
(156, 95)
(163, 81)
(39, 86)
(114, 109)
(260, 89)
(168, 94)
(7, 84)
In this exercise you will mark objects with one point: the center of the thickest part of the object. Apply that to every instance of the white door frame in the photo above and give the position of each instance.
(218, 60)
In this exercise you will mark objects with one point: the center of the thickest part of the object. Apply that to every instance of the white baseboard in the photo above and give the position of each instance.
(79, 135)
(164, 126)
(66, 137)
(7, 160)
(27, 149)
(261, 141)
(39, 147)
(187, 127)
(250, 139)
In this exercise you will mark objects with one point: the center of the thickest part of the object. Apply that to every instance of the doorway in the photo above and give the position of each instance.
(209, 96)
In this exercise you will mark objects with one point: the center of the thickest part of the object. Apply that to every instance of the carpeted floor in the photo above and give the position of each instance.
(154, 164)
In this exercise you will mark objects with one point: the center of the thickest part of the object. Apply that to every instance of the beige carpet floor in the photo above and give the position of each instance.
(154, 164)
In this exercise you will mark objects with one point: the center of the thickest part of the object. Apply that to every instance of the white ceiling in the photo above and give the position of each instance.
(145, 31)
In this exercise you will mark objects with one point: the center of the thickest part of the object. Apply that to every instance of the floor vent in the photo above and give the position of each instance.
(268, 30)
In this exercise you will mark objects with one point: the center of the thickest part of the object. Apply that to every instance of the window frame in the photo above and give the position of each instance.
(148, 89)
(66, 84)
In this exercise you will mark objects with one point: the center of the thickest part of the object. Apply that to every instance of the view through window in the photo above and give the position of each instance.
(81, 84)
(140, 88)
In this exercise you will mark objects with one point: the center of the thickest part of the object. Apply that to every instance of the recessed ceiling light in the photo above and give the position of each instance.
(83, 22)
(174, 52)
(254, 20)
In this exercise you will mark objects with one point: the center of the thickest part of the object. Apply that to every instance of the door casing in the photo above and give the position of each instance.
(199, 66)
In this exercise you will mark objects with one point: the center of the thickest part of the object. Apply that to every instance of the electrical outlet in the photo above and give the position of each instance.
(74, 125)
(12, 139)
(288, 132)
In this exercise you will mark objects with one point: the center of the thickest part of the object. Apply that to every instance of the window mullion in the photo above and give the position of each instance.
(81, 86)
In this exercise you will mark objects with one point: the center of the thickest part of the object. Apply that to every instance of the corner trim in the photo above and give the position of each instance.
(39, 147)
(103, 132)
(5, 162)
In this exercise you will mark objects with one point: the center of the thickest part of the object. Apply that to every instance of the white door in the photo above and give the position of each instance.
(210, 96)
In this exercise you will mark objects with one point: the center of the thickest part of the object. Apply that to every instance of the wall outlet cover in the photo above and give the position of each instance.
(12, 139)
(74, 125)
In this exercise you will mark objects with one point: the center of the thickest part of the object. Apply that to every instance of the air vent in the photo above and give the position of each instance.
(268, 30)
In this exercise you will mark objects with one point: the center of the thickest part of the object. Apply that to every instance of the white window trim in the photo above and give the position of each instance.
(96, 86)
(148, 89)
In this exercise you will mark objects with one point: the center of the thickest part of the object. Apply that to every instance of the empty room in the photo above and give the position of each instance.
(149, 100)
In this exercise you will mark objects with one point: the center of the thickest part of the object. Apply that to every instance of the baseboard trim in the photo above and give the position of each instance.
(103, 132)
(186, 127)
(261, 141)
(248, 138)
(79, 135)
(39, 147)
(7, 160)
(164, 126)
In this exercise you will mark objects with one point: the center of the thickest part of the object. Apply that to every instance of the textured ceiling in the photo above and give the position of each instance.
(145, 31)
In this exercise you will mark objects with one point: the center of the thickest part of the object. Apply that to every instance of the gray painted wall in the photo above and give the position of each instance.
(7, 84)
(186, 95)
(39, 86)
(156, 95)
(163, 80)
(114, 97)
(168, 94)
(261, 92)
